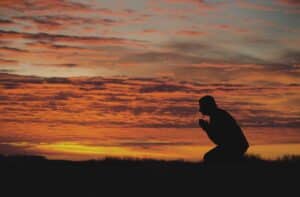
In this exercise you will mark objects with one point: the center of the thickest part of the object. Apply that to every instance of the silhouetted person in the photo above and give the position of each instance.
(224, 131)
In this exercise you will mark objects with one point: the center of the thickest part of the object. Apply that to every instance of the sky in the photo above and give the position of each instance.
(73, 71)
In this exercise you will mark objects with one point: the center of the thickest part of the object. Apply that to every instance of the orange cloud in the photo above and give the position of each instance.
(7, 61)
(132, 102)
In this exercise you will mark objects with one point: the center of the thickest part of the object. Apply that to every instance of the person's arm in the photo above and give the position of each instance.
(211, 133)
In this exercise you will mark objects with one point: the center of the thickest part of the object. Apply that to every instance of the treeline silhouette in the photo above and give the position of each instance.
(37, 176)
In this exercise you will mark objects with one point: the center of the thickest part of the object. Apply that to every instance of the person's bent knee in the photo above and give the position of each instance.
(211, 155)
(206, 157)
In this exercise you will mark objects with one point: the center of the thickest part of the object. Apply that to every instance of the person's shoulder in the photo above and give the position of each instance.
(224, 113)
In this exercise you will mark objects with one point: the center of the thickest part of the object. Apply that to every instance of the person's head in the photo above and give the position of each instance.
(207, 105)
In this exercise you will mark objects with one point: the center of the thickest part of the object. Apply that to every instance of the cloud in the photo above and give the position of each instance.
(10, 52)
(151, 144)
(289, 6)
(46, 41)
(163, 88)
(160, 57)
(186, 1)
(290, 2)
(46, 23)
(207, 53)
(45, 37)
(190, 33)
(291, 57)
(256, 6)
(65, 50)
(44, 5)
(5, 22)
(4, 62)
(10, 49)
(11, 149)
(133, 102)
(55, 8)
(183, 59)
(19, 79)
(197, 2)
(202, 5)
(150, 31)
(187, 46)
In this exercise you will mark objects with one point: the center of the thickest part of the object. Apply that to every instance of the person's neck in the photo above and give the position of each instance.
(213, 112)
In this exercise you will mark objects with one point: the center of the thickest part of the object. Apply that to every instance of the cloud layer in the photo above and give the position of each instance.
(143, 39)
(133, 102)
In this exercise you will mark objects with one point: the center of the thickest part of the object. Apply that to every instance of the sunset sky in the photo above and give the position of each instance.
(88, 79)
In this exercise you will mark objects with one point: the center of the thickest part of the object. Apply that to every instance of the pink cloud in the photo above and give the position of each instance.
(290, 2)
(201, 4)
(53, 23)
(57, 38)
(255, 6)
(39, 6)
(190, 33)
(185, 1)
(5, 22)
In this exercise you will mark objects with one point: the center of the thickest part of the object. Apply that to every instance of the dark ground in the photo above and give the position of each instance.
(37, 176)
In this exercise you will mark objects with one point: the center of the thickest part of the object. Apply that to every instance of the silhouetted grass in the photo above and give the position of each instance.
(37, 176)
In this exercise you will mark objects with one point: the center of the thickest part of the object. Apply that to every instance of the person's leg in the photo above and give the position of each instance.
(233, 154)
(229, 154)
(214, 155)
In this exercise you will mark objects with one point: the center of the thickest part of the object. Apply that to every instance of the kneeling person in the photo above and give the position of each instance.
(224, 131)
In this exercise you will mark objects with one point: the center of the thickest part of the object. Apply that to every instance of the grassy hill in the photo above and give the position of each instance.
(37, 176)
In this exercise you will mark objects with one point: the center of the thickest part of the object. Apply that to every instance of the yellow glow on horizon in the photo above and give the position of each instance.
(274, 151)
(77, 151)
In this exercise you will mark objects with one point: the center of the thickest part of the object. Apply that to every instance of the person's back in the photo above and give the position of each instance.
(227, 130)
(223, 130)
